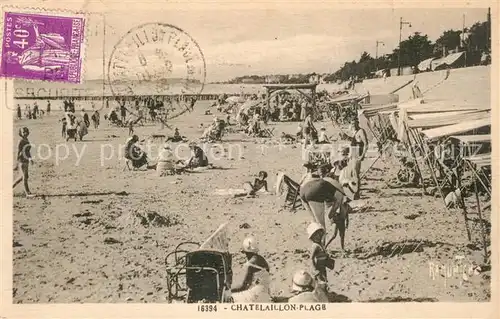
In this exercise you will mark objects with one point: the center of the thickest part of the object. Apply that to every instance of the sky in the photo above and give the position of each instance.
(280, 40)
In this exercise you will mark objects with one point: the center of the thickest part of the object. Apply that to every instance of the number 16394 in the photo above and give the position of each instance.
(207, 308)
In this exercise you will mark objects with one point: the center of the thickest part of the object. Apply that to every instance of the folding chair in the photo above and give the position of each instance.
(292, 200)
(267, 132)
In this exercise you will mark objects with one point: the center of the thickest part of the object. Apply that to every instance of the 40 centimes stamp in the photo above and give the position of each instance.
(157, 59)
(42, 47)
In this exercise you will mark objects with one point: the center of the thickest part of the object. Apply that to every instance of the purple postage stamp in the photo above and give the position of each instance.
(42, 47)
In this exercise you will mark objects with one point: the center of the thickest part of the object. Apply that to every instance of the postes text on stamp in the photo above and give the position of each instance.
(42, 47)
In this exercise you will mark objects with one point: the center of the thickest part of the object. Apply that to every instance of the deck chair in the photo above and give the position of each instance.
(292, 199)
(267, 132)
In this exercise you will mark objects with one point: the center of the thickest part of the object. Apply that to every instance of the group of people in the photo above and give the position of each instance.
(215, 130)
(166, 160)
(31, 113)
(255, 285)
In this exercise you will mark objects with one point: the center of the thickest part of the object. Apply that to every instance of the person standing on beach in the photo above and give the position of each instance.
(48, 108)
(23, 160)
(359, 146)
(35, 111)
(123, 111)
(18, 111)
(28, 111)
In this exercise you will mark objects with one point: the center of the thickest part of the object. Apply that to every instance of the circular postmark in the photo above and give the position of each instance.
(156, 59)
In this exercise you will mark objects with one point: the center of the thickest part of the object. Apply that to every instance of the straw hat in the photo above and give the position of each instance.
(302, 280)
(250, 245)
(313, 228)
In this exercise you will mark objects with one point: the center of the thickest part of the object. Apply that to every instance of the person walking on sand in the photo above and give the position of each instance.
(23, 160)
(48, 108)
(96, 119)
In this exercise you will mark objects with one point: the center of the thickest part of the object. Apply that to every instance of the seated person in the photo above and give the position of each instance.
(177, 136)
(167, 162)
(256, 282)
(323, 138)
(198, 157)
(305, 289)
(134, 154)
(259, 183)
(113, 117)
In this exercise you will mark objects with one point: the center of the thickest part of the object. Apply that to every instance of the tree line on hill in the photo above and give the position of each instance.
(475, 41)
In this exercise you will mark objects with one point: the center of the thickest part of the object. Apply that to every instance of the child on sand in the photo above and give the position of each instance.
(130, 124)
(319, 256)
(259, 183)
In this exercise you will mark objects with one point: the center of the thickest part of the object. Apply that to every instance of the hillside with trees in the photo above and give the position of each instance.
(475, 41)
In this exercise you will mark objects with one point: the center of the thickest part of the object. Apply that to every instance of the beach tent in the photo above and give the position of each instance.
(426, 65)
(453, 60)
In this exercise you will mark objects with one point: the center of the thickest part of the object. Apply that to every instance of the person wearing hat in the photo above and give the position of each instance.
(166, 160)
(23, 160)
(305, 289)
(319, 256)
(256, 280)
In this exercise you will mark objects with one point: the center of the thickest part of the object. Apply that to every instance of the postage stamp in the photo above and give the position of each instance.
(42, 47)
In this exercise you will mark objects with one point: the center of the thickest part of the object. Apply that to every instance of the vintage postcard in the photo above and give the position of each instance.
(285, 159)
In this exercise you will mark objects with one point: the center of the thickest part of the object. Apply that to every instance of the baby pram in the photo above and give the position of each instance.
(201, 275)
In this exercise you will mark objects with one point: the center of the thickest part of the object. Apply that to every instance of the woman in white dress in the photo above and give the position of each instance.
(255, 285)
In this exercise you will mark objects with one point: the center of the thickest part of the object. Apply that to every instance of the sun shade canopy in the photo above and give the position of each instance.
(430, 122)
(456, 129)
